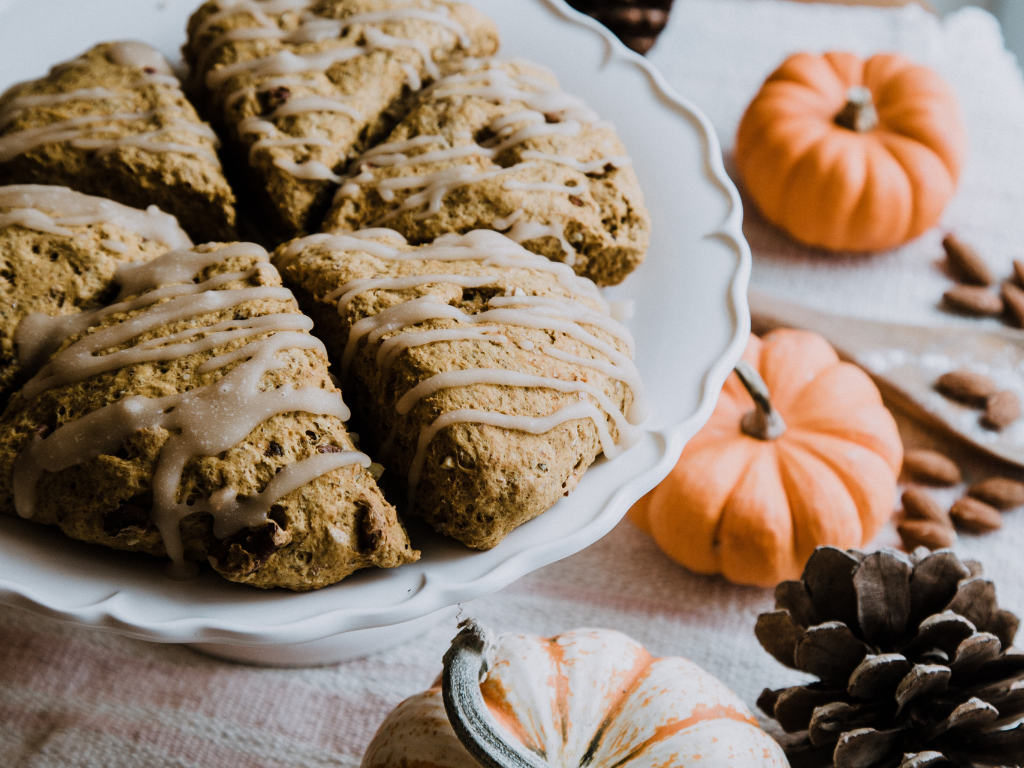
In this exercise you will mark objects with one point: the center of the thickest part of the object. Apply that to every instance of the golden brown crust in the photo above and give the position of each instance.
(58, 274)
(374, 85)
(318, 534)
(478, 481)
(602, 218)
(190, 186)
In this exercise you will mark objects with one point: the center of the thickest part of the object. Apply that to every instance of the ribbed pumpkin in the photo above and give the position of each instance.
(591, 697)
(762, 485)
(852, 155)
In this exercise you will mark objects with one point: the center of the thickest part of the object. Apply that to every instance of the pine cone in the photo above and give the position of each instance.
(909, 651)
(637, 23)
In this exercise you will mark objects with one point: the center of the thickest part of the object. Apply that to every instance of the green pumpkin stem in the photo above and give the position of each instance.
(764, 422)
(466, 665)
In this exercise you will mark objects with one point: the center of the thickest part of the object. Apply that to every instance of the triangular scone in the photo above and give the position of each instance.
(114, 122)
(58, 253)
(299, 87)
(498, 145)
(487, 376)
(195, 418)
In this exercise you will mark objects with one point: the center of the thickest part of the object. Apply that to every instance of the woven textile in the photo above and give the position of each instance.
(75, 697)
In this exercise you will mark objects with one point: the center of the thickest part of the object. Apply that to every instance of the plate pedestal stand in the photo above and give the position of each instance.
(691, 324)
(345, 646)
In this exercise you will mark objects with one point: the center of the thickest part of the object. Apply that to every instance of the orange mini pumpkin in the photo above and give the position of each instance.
(852, 155)
(763, 484)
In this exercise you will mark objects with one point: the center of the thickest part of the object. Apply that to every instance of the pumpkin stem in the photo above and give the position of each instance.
(859, 113)
(764, 422)
(466, 665)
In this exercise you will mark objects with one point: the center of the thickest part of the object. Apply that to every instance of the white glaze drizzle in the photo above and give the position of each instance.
(523, 231)
(19, 104)
(392, 347)
(355, 287)
(315, 103)
(535, 425)
(38, 335)
(114, 245)
(131, 53)
(485, 246)
(565, 315)
(204, 421)
(85, 131)
(540, 186)
(52, 210)
(311, 29)
(549, 112)
(593, 166)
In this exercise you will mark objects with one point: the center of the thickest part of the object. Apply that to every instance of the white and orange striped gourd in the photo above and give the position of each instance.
(590, 697)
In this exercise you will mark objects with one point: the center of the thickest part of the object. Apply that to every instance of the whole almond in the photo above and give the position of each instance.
(1000, 492)
(930, 467)
(1018, 271)
(965, 263)
(918, 505)
(1013, 297)
(1001, 410)
(966, 386)
(925, 533)
(973, 300)
(975, 516)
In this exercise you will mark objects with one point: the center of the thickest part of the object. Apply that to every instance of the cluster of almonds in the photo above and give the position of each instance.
(1001, 407)
(974, 295)
(926, 523)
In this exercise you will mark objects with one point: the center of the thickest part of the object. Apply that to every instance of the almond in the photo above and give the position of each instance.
(973, 300)
(930, 467)
(1000, 492)
(975, 516)
(925, 533)
(918, 505)
(1001, 410)
(1014, 300)
(966, 386)
(1018, 271)
(965, 263)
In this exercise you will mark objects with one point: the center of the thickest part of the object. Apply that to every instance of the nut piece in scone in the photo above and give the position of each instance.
(114, 122)
(488, 378)
(300, 88)
(59, 251)
(498, 145)
(195, 418)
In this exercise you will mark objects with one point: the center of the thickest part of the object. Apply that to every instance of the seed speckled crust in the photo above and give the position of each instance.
(478, 481)
(190, 186)
(316, 535)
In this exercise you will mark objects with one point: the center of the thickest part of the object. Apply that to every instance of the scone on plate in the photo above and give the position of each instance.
(487, 377)
(301, 87)
(59, 251)
(195, 418)
(114, 122)
(499, 145)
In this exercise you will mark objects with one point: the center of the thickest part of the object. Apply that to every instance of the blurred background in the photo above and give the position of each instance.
(1009, 12)
(638, 22)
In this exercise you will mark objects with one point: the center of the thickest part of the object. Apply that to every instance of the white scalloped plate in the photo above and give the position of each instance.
(691, 326)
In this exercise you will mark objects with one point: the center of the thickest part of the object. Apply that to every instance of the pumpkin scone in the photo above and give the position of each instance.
(299, 87)
(488, 377)
(195, 419)
(114, 122)
(59, 251)
(498, 145)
